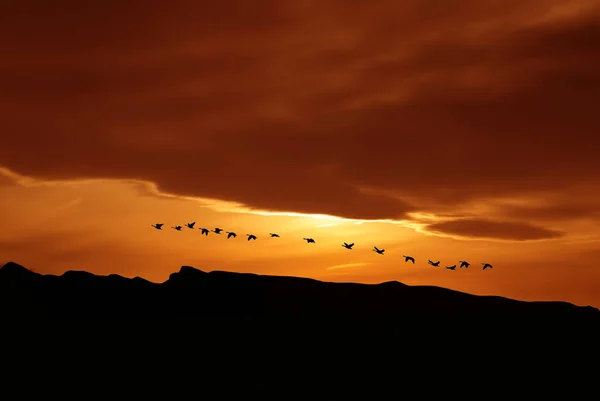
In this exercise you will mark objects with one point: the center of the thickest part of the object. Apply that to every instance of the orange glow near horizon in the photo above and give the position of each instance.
(104, 226)
(463, 129)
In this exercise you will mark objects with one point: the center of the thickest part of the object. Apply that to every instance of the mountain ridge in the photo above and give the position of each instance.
(191, 293)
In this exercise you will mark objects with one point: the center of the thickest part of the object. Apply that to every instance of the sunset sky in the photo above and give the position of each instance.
(446, 130)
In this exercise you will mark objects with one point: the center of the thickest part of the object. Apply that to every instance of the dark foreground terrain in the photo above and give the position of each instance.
(194, 294)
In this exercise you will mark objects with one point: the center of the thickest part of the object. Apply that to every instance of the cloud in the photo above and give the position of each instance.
(347, 265)
(511, 231)
(290, 106)
(559, 211)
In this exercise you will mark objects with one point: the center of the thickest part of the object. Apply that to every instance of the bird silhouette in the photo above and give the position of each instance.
(379, 251)
(407, 258)
(231, 234)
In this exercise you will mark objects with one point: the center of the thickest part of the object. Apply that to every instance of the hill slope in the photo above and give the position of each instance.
(191, 294)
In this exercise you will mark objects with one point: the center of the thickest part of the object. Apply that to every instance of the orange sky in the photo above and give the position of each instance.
(459, 129)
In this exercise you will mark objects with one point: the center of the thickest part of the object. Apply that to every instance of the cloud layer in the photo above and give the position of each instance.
(494, 230)
(343, 108)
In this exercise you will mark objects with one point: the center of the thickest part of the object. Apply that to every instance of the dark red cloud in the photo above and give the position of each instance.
(290, 106)
(494, 230)
(562, 211)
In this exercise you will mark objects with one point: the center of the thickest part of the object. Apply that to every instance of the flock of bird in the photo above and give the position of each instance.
(231, 234)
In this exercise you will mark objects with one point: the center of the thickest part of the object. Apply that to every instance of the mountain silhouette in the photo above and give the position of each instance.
(195, 294)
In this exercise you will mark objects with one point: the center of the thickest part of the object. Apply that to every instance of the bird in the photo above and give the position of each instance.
(453, 267)
(309, 240)
(231, 234)
(486, 265)
(273, 235)
(436, 264)
(464, 264)
(178, 228)
(251, 236)
(204, 231)
(191, 225)
(348, 246)
(158, 226)
(379, 251)
(217, 230)
(407, 258)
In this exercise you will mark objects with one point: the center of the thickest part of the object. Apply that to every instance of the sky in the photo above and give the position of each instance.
(448, 130)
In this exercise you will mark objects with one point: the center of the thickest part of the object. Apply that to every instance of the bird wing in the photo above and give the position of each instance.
(352, 244)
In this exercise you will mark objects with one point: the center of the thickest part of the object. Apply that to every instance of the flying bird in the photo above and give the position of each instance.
(231, 234)
(251, 236)
(217, 230)
(178, 228)
(486, 265)
(309, 240)
(158, 226)
(191, 225)
(453, 267)
(348, 246)
(407, 258)
(273, 235)
(436, 264)
(379, 251)
(204, 231)
(464, 264)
